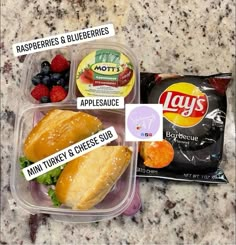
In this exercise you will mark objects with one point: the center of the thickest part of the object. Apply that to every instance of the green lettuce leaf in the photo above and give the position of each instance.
(53, 197)
(49, 178)
(24, 162)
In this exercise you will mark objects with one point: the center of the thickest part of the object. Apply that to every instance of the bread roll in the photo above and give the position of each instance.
(85, 181)
(58, 130)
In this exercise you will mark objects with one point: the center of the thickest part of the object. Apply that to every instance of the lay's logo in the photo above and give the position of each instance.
(184, 104)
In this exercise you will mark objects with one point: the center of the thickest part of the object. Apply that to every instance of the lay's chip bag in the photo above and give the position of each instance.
(194, 113)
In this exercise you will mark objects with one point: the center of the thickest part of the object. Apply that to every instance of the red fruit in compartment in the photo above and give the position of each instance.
(39, 91)
(57, 93)
(59, 64)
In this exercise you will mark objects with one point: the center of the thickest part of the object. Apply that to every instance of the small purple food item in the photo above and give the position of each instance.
(136, 204)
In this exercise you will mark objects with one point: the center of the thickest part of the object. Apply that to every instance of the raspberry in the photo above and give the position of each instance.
(59, 64)
(39, 91)
(57, 93)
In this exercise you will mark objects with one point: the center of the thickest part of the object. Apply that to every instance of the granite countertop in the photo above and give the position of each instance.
(183, 36)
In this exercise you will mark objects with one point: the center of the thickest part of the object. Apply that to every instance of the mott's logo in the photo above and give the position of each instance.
(107, 68)
(184, 104)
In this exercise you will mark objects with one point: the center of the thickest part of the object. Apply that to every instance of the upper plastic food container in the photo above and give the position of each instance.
(96, 69)
(33, 196)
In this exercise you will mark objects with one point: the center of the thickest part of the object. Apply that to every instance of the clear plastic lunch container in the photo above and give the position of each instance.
(32, 196)
(75, 54)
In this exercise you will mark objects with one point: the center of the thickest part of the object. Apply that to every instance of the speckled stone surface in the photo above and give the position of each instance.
(191, 37)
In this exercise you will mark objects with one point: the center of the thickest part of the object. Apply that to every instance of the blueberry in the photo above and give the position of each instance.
(46, 81)
(36, 80)
(55, 77)
(67, 75)
(44, 99)
(45, 63)
(40, 75)
(45, 70)
(66, 87)
(61, 82)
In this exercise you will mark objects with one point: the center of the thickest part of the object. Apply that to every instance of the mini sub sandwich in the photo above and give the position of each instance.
(85, 181)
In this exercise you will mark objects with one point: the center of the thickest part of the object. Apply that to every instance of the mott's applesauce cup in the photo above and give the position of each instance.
(105, 72)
